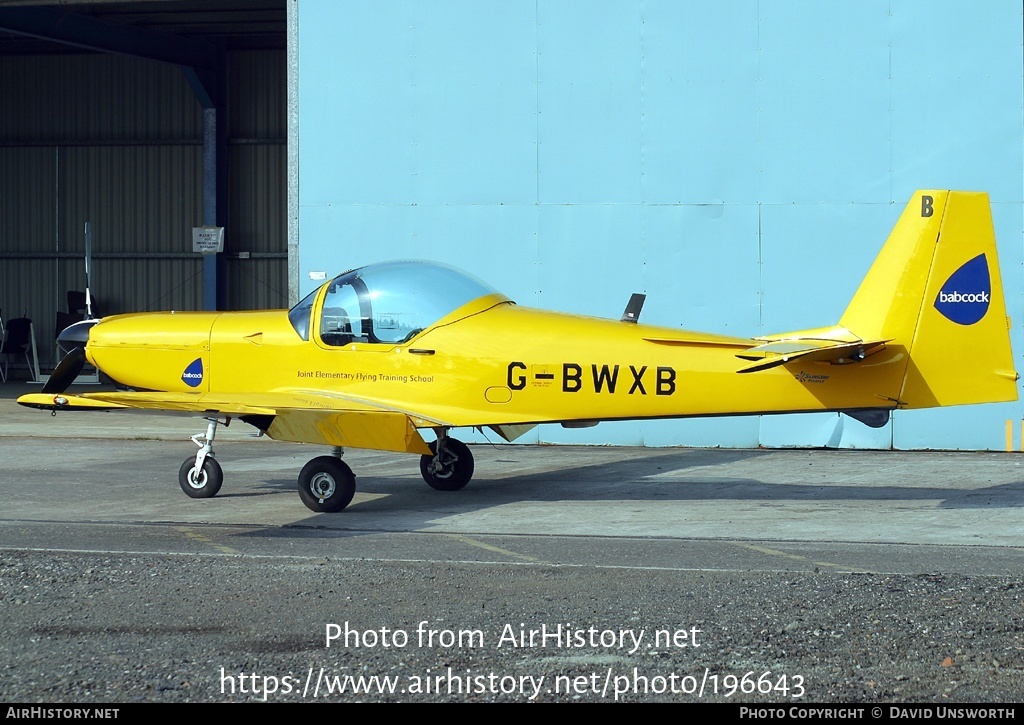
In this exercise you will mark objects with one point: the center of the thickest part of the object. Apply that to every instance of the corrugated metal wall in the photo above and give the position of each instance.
(117, 142)
(257, 158)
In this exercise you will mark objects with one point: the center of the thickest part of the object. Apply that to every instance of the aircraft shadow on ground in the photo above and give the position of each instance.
(655, 477)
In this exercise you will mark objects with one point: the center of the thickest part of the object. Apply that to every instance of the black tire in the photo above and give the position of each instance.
(326, 484)
(204, 485)
(452, 472)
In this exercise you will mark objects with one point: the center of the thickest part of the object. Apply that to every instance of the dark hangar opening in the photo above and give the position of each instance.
(144, 119)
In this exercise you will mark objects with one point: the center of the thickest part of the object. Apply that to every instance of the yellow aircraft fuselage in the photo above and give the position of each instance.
(492, 362)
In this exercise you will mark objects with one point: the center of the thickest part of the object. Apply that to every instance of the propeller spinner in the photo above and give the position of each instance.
(75, 337)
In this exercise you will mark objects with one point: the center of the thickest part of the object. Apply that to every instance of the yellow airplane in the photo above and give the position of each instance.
(380, 353)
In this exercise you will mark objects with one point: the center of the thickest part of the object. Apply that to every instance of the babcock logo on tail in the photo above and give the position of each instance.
(965, 296)
(193, 375)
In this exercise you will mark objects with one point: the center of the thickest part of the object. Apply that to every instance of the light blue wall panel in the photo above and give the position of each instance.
(823, 100)
(701, 268)
(740, 162)
(731, 432)
(967, 428)
(589, 95)
(615, 433)
(956, 96)
(813, 258)
(495, 243)
(591, 258)
(699, 122)
(821, 430)
(356, 123)
(410, 102)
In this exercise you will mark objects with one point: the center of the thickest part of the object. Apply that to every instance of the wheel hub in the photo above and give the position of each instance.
(443, 465)
(196, 478)
(322, 486)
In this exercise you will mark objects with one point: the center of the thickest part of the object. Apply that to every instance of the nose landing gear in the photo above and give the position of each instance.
(201, 476)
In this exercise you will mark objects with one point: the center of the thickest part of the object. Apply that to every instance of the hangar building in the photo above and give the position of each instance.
(739, 162)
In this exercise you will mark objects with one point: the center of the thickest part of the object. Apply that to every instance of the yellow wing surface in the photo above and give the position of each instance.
(298, 417)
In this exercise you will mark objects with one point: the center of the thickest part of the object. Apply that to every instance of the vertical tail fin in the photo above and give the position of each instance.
(935, 290)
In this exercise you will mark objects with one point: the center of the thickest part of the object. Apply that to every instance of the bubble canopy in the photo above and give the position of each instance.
(389, 302)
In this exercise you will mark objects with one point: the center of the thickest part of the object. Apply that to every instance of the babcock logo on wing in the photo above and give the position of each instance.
(193, 375)
(964, 297)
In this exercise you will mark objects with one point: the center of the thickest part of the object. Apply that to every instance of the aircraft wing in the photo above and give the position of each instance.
(301, 417)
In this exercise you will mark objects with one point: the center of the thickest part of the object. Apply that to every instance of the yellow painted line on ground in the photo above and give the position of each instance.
(495, 549)
(207, 541)
(797, 557)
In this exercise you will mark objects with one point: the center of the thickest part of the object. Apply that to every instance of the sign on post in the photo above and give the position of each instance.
(208, 240)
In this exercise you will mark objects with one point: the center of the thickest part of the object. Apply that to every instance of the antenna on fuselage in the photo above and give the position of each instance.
(633, 307)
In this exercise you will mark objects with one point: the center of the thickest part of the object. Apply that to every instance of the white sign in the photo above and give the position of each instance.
(207, 240)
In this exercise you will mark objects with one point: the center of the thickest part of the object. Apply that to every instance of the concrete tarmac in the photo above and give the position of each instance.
(120, 469)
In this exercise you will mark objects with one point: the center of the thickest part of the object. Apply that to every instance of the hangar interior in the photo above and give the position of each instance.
(143, 119)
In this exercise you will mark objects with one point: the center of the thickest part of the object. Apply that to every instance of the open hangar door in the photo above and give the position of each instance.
(105, 122)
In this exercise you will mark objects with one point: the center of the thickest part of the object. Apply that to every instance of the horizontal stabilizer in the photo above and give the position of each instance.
(779, 352)
(698, 339)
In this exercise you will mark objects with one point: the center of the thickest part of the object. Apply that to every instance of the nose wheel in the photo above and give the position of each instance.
(203, 482)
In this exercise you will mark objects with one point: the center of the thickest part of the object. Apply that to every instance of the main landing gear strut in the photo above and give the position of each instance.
(451, 465)
(326, 483)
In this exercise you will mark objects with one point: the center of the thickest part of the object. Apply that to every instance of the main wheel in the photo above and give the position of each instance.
(200, 484)
(326, 484)
(451, 470)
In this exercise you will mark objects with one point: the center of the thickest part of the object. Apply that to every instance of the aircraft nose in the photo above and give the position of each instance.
(76, 335)
(73, 338)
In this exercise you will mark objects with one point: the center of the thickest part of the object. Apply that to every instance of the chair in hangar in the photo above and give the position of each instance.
(16, 340)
